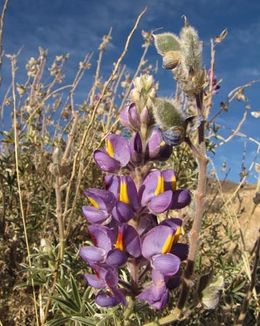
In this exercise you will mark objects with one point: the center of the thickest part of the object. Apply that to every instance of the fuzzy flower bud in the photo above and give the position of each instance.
(167, 113)
(191, 50)
(166, 42)
(144, 90)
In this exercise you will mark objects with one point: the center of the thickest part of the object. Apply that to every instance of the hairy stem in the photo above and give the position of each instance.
(201, 156)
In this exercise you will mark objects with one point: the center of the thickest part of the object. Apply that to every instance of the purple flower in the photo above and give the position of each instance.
(115, 155)
(146, 117)
(127, 240)
(102, 201)
(181, 198)
(157, 295)
(156, 148)
(146, 223)
(130, 118)
(154, 194)
(124, 190)
(158, 192)
(106, 278)
(136, 149)
(157, 246)
(111, 246)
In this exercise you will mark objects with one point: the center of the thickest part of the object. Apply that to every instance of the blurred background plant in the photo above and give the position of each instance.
(47, 140)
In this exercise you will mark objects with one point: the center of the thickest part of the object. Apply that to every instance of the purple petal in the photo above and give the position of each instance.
(121, 149)
(156, 296)
(180, 199)
(106, 299)
(95, 281)
(132, 241)
(149, 186)
(101, 236)
(146, 223)
(95, 215)
(136, 149)
(105, 199)
(169, 177)
(173, 222)
(132, 193)
(105, 162)
(92, 254)
(116, 258)
(145, 116)
(119, 296)
(111, 278)
(167, 264)
(153, 145)
(122, 212)
(155, 240)
(161, 203)
(181, 250)
(158, 278)
(112, 183)
(165, 152)
(129, 117)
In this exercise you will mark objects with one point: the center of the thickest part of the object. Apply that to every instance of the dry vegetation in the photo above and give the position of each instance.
(46, 163)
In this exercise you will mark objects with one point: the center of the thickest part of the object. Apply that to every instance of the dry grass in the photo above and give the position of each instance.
(46, 163)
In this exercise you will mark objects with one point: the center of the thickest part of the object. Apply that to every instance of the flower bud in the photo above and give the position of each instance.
(191, 49)
(129, 117)
(145, 117)
(171, 59)
(136, 148)
(166, 42)
(156, 148)
(167, 113)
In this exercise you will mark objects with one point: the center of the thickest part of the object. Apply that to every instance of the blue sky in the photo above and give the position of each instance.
(77, 27)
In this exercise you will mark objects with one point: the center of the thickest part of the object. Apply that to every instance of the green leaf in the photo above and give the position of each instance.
(210, 295)
(75, 292)
(166, 42)
(84, 320)
(203, 282)
(58, 322)
(69, 305)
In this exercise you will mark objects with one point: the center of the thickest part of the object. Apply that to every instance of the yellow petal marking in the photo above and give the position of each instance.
(109, 148)
(174, 183)
(123, 195)
(93, 202)
(168, 244)
(160, 186)
(171, 240)
(178, 233)
(119, 241)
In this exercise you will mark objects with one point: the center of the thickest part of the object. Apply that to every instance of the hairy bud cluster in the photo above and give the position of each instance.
(183, 55)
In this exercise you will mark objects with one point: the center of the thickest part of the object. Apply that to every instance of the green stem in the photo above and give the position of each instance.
(128, 311)
(165, 320)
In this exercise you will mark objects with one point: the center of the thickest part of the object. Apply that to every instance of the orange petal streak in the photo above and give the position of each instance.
(119, 241)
